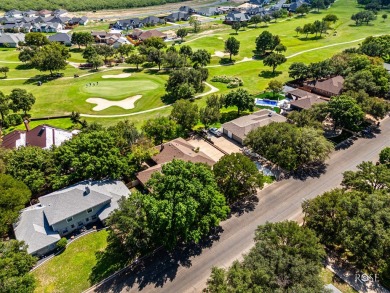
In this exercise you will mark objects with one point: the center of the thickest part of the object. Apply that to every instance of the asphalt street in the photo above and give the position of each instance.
(188, 270)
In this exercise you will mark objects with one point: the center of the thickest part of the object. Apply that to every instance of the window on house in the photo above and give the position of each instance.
(89, 210)
(69, 219)
(87, 219)
(72, 226)
(80, 223)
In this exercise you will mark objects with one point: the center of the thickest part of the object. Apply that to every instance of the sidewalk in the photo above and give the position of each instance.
(356, 279)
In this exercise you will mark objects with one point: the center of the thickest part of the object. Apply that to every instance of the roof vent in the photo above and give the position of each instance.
(86, 191)
(41, 131)
(270, 114)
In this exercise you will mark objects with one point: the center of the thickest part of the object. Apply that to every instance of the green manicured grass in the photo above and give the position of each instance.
(73, 270)
(329, 278)
(62, 96)
(63, 123)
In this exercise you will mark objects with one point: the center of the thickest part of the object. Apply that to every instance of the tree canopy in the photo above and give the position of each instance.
(14, 195)
(237, 177)
(285, 258)
(289, 146)
(241, 99)
(185, 113)
(232, 46)
(51, 57)
(266, 42)
(159, 129)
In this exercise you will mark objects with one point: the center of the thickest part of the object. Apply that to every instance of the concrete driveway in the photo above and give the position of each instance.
(226, 144)
(206, 148)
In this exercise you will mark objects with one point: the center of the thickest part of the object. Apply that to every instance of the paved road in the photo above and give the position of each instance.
(188, 271)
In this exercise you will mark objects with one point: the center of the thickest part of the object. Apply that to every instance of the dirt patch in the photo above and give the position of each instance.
(122, 75)
(102, 104)
(220, 54)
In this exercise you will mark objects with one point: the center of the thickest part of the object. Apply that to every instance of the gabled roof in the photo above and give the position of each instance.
(66, 203)
(33, 228)
(43, 136)
(332, 85)
(307, 102)
(241, 126)
(151, 33)
(60, 37)
(175, 149)
(152, 19)
(11, 38)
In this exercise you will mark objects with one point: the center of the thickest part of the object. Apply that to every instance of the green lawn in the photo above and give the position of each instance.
(329, 278)
(77, 268)
(66, 95)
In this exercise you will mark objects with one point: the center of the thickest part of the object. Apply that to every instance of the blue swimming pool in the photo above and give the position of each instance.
(265, 102)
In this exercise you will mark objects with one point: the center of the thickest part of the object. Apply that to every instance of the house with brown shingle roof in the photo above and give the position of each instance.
(174, 149)
(43, 136)
(239, 128)
(304, 100)
(327, 87)
(144, 35)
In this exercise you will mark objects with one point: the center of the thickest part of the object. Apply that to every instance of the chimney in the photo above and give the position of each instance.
(27, 124)
(86, 191)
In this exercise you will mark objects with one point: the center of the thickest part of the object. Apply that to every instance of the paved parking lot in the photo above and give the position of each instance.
(206, 148)
(226, 144)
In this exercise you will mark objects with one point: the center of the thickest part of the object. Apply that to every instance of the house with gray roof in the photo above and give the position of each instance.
(239, 128)
(11, 40)
(178, 16)
(130, 23)
(235, 16)
(209, 11)
(64, 211)
(30, 13)
(14, 13)
(62, 38)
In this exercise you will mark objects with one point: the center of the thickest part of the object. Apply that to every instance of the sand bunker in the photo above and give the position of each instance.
(102, 104)
(122, 75)
(220, 54)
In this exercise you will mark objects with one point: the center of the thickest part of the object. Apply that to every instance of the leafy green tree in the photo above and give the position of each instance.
(159, 129)
(15, 264)
(384, 16)
(135, 59)
(384, 156)
(125, 50)
(13, 197)
(185, 113)
(307, 29)
(318, 4)
(174, 60)
(376, 47)
(96, 61)
(32, 166)
(274, 60)
(363, 16)
(89, 52)
(298, 70)
(182, 33)
(289, 146)
(129, 226)
(237, 177)
(277, 14)
(266, 42)
(36, 40)
(256, 19)
(280, 48)
(154, 42)
(232, 46)
(90, 155)
(201, 58)
(305, 118)
(186, 51)
(303, 9)
(331, 18)
(184, 203)
(209, 116)
(368, 178)
(195, 23)
(275, 87)
(285, 258)
(21, 100)
(266, 19)
(241, 99)
(4, 109)
(105, 51)
(82, 39)
(61, 244)
(26, 54)
(51, 57)
(183, 83)
(345, 112)
(156, 56)
(236, 26)
(4, 70)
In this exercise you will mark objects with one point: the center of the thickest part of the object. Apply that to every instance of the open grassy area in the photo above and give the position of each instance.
(329, 278)
(76, 267)
(64, 95)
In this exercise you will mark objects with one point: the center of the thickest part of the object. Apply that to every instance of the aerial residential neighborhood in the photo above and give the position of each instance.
(195, 146)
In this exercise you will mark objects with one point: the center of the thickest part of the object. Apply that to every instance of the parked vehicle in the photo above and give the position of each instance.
(215, 131)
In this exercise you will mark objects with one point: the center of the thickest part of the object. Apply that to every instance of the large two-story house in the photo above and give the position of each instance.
(60, 213)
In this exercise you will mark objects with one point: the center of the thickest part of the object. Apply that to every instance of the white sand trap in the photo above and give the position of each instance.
(102, 104)
(122, 75)
(220, 54)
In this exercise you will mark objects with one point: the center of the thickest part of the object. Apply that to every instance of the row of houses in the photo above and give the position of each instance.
(46, 23)
(32, 13)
